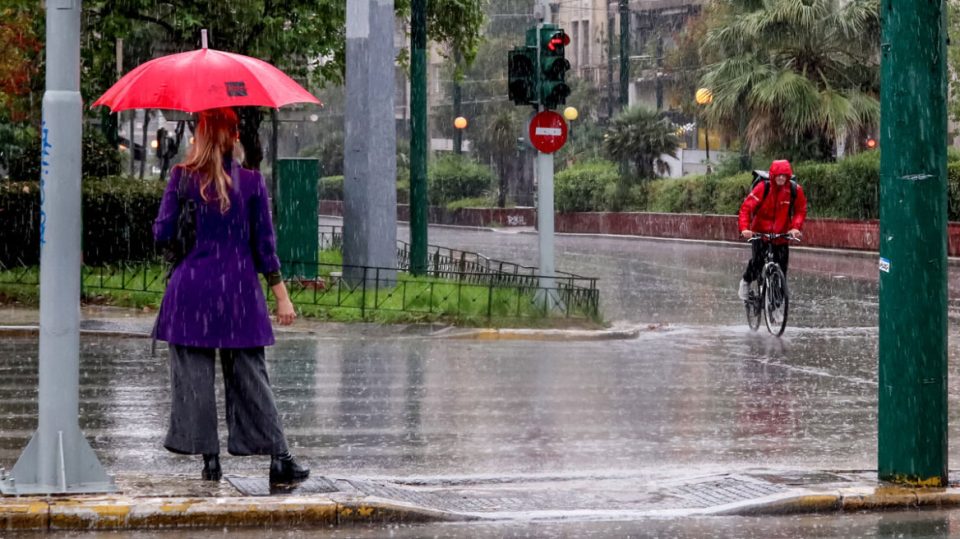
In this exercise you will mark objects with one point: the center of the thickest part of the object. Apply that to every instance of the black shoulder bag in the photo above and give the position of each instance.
(176, 250)
(185, 237)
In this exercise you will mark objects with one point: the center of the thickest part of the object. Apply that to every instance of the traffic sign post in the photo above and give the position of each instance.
(537, 76)
(548, 133)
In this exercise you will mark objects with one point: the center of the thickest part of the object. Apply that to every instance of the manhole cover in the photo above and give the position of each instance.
(724, 491)
(803, 478)
(260, 486)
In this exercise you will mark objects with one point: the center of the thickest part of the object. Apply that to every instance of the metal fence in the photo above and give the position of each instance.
(455, 264)
(367, 290)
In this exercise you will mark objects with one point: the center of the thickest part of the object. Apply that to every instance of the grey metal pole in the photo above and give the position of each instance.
(545, 218)
(370, 155)
(545, 214)
(624, 54)
(58, 458)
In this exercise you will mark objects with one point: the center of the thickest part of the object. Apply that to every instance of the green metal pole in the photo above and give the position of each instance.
(912, 416)
(624, 54)
(418, 138)
(457, 105)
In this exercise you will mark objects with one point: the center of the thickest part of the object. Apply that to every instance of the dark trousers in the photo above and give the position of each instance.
(253, 423)
(781, 255)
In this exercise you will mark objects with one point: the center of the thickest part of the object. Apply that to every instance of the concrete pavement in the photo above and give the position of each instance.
(175, 501)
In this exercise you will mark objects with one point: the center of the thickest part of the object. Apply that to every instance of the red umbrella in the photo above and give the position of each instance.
(203, 79)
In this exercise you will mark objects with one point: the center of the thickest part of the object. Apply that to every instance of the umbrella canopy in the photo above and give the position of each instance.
(203, 79)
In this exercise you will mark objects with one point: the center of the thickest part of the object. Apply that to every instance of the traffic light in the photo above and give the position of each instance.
(553, 88)
(522, 78)
(871, 143)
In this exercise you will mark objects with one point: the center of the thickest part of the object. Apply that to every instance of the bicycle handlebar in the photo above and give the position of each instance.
(769, 237)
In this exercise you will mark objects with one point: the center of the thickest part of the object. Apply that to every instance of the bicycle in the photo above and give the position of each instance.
(768, 293)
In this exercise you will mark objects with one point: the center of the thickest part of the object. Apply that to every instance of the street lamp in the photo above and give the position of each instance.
(704, 97)
(460, 123)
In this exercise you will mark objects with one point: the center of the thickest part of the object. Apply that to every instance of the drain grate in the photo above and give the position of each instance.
(723, 491)
(445, 501)
(260, 486)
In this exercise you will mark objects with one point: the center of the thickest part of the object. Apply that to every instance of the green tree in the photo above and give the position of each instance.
(641, 136)
(499, 139)
(304, 38)
(793, 76)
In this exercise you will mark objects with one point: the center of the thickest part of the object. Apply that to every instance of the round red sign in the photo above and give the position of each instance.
(548, 131)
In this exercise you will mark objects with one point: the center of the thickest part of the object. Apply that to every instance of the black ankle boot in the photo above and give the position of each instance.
(211, 468)
(283, 469)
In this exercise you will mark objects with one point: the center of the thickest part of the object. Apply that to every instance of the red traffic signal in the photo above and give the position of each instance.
(558, 41)
(871, 143)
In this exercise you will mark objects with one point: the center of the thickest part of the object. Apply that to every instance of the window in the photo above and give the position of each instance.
(575, 40)
(585, 47)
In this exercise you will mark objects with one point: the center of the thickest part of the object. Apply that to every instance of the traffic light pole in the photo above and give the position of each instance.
(58, 459)
(418, 138)
(912, 416)
(545, 212)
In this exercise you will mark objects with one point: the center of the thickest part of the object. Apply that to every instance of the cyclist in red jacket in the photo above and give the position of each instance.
(774, 206)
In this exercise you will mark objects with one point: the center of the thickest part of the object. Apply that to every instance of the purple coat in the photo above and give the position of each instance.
(214, 298)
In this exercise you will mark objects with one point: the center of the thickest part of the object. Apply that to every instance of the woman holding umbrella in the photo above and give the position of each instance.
(214, 302)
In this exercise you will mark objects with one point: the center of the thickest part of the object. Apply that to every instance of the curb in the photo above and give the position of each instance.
(506, 334)
(126, 513)
(850, 500)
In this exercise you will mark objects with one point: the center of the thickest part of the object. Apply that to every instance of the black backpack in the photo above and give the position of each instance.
(764, 176)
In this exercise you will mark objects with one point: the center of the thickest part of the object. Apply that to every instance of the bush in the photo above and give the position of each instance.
(331, 188)
(100, 158)
(587, 186)
(454, 177)
(118, 214)
(20, 153)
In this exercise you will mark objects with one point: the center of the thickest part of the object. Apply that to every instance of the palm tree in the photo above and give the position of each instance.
(789, 74)
(641, 136)
(499, 138)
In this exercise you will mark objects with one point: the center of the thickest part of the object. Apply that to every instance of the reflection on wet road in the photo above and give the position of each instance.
(699, 394)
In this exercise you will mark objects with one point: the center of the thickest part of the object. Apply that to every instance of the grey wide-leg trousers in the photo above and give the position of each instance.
(253, 423)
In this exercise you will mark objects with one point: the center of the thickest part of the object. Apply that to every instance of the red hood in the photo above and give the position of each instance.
(781, 166)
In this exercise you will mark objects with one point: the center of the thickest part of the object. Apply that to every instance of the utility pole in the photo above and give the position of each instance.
(457, 104)
(58, 459)
(418, 138)
(610, 48)
(659, 66)
(912, 416)
(624, 54)
(370, 146)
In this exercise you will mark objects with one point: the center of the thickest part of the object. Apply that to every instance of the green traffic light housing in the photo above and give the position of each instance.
(522, 78)
(553, 89)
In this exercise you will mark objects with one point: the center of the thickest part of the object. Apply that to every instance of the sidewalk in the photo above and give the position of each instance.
(153, 502)
(124, 322)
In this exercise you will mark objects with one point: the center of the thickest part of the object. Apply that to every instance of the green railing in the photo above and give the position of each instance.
(446, 293)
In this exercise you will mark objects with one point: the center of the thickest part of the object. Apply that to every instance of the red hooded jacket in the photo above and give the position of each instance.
(771, 215)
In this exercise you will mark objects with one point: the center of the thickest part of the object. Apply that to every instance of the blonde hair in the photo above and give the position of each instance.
(216, 136)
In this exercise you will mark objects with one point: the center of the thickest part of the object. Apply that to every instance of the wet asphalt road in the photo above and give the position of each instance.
(698, 394)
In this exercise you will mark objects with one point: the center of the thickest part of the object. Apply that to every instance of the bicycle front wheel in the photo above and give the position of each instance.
(753, 305)
(776, 301)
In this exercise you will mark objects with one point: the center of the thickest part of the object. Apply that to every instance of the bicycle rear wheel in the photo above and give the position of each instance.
(776, 300)
(753, 305)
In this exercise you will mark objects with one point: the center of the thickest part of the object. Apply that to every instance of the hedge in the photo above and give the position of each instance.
(331, 188)
(848, 189)
(455, 177)
(118, 214)
(585, 186)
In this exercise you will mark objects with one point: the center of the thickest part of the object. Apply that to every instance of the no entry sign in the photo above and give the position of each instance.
(548, 131)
